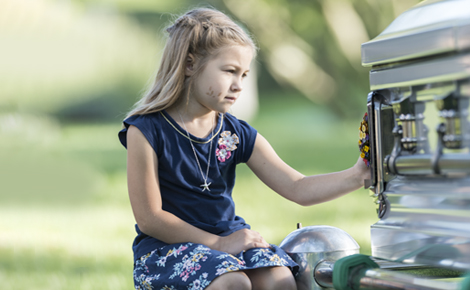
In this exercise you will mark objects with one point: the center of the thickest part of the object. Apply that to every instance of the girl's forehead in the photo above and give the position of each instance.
(240, 55)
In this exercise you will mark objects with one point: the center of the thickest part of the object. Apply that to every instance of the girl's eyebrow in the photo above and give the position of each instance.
(237, 67)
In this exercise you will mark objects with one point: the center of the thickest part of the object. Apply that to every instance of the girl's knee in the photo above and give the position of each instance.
(231, 281)
(272, 278)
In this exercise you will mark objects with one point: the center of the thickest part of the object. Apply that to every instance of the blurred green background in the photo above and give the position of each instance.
(71, 69)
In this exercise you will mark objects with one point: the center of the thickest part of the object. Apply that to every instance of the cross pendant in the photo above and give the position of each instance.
(205, 186)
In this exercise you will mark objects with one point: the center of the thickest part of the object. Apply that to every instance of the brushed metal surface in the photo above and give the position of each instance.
(428, 222)
(429, 28)
(455, 67)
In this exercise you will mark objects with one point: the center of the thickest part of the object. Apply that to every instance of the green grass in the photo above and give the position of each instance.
(67, 249)
(65, 219)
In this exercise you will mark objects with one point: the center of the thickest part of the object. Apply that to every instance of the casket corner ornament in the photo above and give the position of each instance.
(418, 145)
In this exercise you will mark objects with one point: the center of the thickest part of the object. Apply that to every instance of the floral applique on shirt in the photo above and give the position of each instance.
(227, 144)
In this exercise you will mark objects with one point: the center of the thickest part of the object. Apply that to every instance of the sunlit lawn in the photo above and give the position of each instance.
(65, 221)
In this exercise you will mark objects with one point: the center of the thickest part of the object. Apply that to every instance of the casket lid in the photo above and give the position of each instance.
(429, 28)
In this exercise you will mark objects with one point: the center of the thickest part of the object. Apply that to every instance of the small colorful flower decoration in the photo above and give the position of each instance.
(227, 144)
(364, 145)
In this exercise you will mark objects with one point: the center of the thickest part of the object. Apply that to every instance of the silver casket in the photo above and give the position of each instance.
(420, 135)
(419, 147)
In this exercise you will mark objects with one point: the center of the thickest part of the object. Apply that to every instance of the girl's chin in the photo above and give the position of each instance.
(223, 110)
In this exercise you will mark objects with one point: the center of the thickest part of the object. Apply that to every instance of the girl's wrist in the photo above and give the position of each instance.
(214, 242)
(217, 244)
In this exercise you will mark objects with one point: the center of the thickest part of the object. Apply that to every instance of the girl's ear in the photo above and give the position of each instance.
(189, 71)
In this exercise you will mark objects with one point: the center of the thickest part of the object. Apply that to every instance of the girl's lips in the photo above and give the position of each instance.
(232, 99)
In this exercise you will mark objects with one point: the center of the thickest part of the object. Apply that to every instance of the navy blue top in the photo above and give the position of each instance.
(180, 177)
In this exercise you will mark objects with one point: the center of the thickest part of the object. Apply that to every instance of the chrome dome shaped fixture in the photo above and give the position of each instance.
(315, 249)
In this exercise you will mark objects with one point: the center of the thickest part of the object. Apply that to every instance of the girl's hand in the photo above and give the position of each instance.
(241, 240)
(362, 170)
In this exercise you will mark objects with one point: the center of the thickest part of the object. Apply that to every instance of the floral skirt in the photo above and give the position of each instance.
(195, 266)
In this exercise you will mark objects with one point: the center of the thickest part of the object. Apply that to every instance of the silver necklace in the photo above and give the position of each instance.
(205, 185)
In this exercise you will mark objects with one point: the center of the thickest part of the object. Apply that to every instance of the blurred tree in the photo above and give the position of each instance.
(77, 56)
(315, 46)
(59, 56)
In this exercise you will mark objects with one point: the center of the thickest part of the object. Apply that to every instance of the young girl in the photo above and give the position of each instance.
(182, 149)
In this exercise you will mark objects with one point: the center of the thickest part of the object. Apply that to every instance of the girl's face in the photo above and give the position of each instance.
(220, 83)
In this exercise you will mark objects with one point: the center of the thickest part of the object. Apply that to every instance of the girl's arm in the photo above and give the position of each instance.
(146, 202)
(304, 190)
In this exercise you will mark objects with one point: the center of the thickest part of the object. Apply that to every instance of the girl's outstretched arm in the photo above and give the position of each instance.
(146, 202)
(304, 190)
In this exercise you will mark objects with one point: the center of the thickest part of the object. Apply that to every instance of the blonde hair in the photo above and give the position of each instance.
(195, 36)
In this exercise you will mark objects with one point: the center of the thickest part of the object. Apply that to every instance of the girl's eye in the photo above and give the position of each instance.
(244, 75)
(230, 71)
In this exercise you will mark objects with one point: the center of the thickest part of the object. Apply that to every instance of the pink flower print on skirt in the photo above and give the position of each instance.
(197, 266)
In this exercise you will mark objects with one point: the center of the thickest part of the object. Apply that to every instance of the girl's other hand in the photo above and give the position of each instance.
(241, 240)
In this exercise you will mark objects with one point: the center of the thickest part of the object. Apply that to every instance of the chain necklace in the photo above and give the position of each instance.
(205, 185)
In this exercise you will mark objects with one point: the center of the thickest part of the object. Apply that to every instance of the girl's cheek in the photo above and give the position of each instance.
(210, 92)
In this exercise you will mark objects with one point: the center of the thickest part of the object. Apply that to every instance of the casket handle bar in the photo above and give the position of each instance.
(376, 100)
(428, 164)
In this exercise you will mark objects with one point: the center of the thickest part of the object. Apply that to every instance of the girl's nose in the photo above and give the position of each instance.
(237, 85)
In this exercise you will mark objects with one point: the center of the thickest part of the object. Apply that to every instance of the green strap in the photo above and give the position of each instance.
(348, 270)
